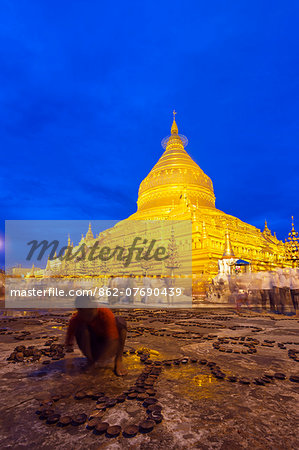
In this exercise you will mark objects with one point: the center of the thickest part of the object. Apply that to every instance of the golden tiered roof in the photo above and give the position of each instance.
(163, 187)
(292, 245)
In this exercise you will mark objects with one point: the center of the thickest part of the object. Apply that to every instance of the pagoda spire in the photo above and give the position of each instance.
(293, 229)
(292, 245)
(174, 170)
(31, 274)
(228, 249)
(174, 127)
(266, 229)
(293, 235)
(89, 234)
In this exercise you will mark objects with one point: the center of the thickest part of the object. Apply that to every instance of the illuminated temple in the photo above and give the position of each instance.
(177, 189)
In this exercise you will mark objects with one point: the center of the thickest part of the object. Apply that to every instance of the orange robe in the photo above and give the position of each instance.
(103, 325)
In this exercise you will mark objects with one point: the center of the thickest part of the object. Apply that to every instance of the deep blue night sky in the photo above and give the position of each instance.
(87, 91)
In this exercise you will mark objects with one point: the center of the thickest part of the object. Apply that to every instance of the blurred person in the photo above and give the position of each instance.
(276, 293)
(271, 292)
(147, 285)
(232, 284)
(99, 334)
(235, 294)
(283, 291)
(266, 286)
(112, 291)
(159, 284)
(241, 299)
(242, 296)
(289, 302)
(233, 289)
(130, 293)
(294, 288)
(255, 288)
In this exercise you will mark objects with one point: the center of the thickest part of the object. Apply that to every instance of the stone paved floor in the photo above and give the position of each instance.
(200, 409)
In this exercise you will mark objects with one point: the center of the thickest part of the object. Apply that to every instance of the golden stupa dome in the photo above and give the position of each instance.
(175, 175)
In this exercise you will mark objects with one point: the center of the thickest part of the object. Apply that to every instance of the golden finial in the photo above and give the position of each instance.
(174, 134)
(174, 128)
(89, 234)
(266, 229)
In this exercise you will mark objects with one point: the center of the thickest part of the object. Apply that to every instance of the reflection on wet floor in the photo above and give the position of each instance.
(16, 313)
(132, 363)
(192, 382)
(8, 312)
(132, 360)
(22, 313)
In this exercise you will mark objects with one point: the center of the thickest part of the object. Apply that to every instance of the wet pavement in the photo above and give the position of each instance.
(207, 379)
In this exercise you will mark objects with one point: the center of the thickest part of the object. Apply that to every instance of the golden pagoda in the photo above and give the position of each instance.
(292, 246)
(177, 188)
(175, 181)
